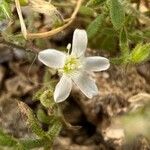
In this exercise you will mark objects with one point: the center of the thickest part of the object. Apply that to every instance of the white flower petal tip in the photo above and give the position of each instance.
(52, 58)
(96, 63)
(79, 42)
(86, 85)
(62, 89)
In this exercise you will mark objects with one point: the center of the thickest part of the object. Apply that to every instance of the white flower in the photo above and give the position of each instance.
(74, 67)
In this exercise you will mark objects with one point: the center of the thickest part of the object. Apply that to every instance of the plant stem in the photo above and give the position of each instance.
(59, 29)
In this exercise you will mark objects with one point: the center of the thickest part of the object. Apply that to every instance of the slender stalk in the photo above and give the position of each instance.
(59, 29)
(22, 23)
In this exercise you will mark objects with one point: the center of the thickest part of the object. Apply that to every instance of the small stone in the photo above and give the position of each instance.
(114, 133)
(105, 75)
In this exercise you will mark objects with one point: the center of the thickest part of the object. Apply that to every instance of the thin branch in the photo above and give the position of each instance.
(12, 45)
(59, 29)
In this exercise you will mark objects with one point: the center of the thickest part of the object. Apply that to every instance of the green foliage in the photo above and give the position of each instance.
(5, 10)
(45, 138)
(54, 131)
(94, 26)
(42, 117)
(6, 140)
(93, 3)
(45, 95)
(123, 42)
(118, 27)
(47, 77)
(33, 143)
(23, 144)
(14, 39)
(46, 98)
(31, 120)
(117, 13)
(86, 11)
(140, 53)
(113, 25)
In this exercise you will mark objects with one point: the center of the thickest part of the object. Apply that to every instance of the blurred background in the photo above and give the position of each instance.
(119, 118)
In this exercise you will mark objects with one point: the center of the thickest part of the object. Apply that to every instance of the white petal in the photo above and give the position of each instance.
(62, 89)
(79, 42)
(52, 58)
(96, 63)
(86, 85)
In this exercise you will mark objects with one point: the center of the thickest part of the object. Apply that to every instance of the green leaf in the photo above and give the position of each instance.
(94, 26)
(140, 53)
(123, 42)
(117, 13)
(6, 140)
(108, 43)
(41, 115)
(86, 11)
(5, 10)
(54, 130)
(93, 3)
(109, 32)
(33, 143)
(31, 120)
(136, 36)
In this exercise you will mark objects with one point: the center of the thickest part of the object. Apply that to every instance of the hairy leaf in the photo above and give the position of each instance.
(43, 117)
(86, 11)
(95, 26)
(31, 120)
(117, 13)
(140, 53)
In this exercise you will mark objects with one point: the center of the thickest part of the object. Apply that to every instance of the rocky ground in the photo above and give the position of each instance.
(121, 89)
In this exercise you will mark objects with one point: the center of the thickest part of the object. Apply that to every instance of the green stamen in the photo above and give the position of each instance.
(72, 63)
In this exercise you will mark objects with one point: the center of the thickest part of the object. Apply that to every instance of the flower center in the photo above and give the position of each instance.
(71, 64)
